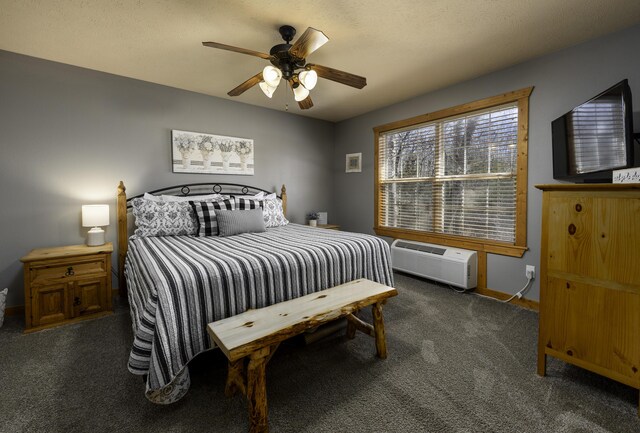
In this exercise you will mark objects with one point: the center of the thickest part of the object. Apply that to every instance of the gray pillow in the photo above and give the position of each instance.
(234, 222)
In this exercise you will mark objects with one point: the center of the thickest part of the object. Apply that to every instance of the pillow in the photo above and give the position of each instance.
(208, 197)
(156, 218)
(234, 222)
(205, 213)
(243, 203)
(152, 197)
(264, 196)
(273, 213)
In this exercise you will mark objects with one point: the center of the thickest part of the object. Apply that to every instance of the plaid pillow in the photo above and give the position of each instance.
(248, 203)
(206, 215)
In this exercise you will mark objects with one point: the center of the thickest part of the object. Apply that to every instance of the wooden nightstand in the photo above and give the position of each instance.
(329, 226)
(66, 284)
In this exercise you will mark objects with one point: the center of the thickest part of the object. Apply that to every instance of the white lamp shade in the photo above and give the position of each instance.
(308, 79)
(300, 93)
(95, 215)
(267, 89)
(271, 75)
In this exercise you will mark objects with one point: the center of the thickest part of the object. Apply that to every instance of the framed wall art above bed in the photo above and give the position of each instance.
(197, 152)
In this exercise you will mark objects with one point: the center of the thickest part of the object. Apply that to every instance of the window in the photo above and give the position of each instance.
(458, 176)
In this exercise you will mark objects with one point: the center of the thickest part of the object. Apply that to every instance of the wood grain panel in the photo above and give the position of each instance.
(590, 279)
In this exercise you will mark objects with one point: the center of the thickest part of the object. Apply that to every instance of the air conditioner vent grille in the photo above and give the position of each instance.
(423, 248)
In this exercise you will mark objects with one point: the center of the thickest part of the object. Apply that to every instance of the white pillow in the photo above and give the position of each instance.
(262, 196)
(208, 197)
(154, 218)
(152, 197)
(273, 213)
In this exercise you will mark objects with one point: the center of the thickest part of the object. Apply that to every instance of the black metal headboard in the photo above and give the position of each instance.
(185, 190)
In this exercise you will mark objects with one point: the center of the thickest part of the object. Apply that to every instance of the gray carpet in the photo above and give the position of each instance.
(457, 363)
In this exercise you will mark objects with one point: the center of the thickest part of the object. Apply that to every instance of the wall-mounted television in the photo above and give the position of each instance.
(595, 138)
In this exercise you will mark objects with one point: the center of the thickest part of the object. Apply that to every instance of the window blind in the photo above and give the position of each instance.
(454, 176)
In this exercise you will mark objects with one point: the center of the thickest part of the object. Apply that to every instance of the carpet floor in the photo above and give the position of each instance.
(457, 363)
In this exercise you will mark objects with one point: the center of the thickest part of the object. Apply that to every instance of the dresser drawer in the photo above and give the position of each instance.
(43, 272)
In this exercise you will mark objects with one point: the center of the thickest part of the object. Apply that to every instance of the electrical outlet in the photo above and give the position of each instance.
(530, 271)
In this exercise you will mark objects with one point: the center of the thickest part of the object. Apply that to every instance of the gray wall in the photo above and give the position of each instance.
(562, 80)
(69, 135)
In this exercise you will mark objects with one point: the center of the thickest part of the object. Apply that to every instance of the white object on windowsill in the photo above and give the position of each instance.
(313, 223)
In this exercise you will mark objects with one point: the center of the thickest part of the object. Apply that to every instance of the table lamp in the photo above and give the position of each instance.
(95, 216)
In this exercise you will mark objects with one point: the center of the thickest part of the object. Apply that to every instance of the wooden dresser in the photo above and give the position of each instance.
(590, 279)
(66, 284)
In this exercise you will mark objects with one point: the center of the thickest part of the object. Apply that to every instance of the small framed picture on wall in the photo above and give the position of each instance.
(354, 163)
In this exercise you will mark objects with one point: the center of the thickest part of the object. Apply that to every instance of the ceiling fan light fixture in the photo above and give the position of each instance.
(308, 79)
(271, 75)
(267, 89)
(300, 93)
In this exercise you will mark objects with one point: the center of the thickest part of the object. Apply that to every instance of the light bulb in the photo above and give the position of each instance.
(271, 75)
(300, 93)
(308, 79)
(267, 89)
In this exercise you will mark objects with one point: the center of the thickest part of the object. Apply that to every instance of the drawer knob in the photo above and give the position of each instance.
(572, 229)
(76, 301)
(578, 207)
(69, 272)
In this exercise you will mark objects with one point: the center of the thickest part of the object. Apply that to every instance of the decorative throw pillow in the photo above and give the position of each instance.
(264, 196)
(155, 218)
(234, 222)
(205, 212)
(273, 213)
(152, 197)
(243, 203)
(208, 197)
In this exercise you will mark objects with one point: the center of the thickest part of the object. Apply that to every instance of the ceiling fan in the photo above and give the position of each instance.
(288, 61)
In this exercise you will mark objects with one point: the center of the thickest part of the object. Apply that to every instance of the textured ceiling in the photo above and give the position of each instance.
(404, 48)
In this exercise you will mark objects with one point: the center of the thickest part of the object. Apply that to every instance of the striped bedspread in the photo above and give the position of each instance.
(178, 284)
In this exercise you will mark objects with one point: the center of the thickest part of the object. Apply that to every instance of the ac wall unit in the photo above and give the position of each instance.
(453, 266)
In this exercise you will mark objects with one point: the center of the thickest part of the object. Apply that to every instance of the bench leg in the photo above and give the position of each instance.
(378, 326)
(235, 378)
(257, 391)
(351, 327)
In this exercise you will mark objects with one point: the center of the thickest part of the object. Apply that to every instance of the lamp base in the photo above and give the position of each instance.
(95, 237)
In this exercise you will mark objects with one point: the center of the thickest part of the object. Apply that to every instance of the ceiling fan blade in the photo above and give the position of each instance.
(246, 85)
(307, 43)
(306, 103)
(236, 49)
(339, 76)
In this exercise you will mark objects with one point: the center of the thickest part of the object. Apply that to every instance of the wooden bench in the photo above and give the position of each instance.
(250, 339)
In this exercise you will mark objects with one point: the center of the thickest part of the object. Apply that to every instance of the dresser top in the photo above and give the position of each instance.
(66, 251)
(589, 186)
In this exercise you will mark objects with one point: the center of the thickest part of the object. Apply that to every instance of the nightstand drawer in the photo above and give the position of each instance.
(42, 272)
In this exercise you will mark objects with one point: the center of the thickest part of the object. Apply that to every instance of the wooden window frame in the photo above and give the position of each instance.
(516, 249)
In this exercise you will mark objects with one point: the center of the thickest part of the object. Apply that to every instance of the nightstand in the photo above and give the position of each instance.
(329, 226)
(66, 284)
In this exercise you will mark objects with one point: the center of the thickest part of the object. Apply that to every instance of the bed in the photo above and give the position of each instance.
(176, 285)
